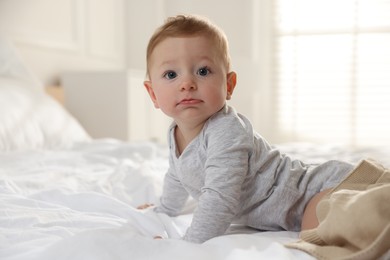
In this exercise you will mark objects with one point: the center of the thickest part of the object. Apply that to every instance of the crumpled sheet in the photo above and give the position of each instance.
(80, 203)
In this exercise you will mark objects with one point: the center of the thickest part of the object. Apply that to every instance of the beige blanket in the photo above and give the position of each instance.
(354, 218)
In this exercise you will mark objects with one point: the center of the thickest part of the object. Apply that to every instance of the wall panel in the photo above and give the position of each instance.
(36, 23)
(56, 36)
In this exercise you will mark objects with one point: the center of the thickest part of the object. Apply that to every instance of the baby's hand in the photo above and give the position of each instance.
(145, 206)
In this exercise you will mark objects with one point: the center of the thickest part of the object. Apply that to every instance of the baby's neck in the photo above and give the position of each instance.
(185, 135)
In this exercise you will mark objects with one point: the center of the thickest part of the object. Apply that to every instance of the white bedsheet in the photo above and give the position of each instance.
(79, 203)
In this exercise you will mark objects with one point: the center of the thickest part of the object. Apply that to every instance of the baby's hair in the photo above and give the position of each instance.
(189, 26)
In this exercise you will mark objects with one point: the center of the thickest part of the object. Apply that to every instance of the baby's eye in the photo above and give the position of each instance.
(203, 71)
(170, 75)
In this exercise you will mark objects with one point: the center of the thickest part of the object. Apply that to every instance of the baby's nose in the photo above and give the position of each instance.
(188, 84)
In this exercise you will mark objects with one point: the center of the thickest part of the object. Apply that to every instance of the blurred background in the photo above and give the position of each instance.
(308, 70)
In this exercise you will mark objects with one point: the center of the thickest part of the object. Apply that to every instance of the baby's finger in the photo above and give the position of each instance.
(145, 206)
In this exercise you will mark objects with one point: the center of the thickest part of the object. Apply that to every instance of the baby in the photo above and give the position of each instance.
(216, 156)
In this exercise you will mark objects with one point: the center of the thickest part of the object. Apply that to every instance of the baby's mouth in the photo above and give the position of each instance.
(189, 101)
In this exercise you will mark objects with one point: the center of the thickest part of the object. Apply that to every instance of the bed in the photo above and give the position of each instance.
(64, 195)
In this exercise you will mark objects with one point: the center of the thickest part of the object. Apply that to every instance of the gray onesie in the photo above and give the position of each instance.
(236, 176)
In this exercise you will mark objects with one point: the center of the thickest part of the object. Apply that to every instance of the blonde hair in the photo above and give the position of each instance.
(189, 26)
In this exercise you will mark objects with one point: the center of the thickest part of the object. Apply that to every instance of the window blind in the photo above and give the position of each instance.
(332, 71)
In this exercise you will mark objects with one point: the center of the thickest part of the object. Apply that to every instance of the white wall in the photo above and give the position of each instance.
(62, 35)
(59, 35)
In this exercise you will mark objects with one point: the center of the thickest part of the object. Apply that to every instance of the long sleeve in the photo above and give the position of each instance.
(173, 197)
(225, 170)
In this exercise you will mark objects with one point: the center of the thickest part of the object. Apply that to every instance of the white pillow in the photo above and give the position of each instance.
(30, 119)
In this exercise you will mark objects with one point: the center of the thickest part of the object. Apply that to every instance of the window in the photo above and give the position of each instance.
(332, 71)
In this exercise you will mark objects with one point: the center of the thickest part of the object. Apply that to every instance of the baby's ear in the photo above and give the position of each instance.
(148, 86)
(231, 80)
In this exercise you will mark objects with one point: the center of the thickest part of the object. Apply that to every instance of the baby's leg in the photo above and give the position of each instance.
(309, 219)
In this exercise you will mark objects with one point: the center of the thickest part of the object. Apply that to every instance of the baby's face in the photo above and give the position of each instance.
(188, 79)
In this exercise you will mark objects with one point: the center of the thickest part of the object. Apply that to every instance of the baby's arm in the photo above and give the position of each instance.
(228, 143)
(221, 194)
(173, 197)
